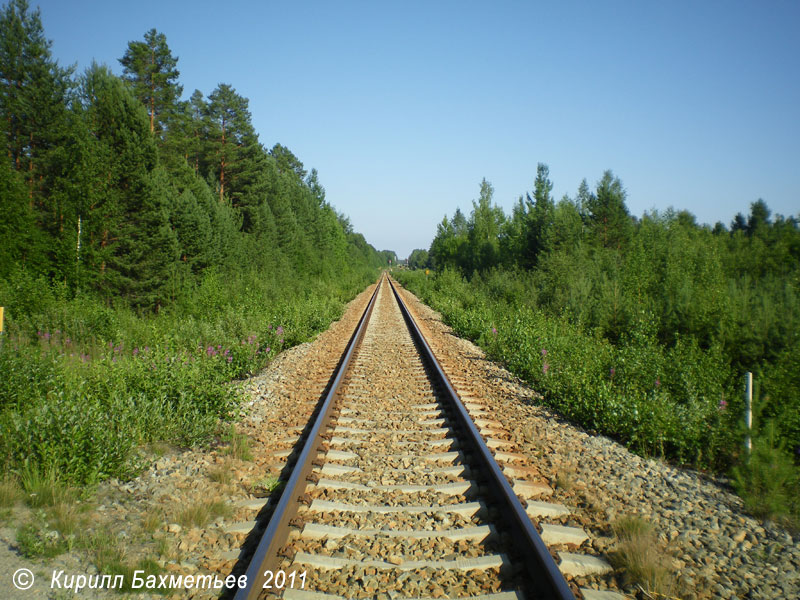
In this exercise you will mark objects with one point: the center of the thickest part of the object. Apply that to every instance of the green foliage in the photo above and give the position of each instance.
(86, 385)
(418, 259)
(152, 252)
(640, 329)
(238, 444)
(33, 541)
(768, 481)
(152, 72)
(663, 402)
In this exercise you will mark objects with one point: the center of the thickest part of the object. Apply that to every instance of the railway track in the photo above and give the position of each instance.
(394, 492)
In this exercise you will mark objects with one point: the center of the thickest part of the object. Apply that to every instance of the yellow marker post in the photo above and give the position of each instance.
(1, 319)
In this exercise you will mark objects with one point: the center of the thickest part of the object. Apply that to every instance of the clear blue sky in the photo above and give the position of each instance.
(403, 107)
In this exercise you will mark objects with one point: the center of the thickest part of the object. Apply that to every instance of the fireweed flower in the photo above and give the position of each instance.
(494, 331)
(544, 352)
(279, 330)
(136, 351)
(658, 382)
(545, 368)
(722, 404)
(611, 372)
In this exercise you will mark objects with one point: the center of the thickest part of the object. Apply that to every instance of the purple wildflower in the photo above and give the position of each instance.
(110, 345)
(230, 359)
(147, 348)
(279, 330)
(545, 368)
(210, 351)
(658, 382)
(267, 349)
(723, 404)
(611, 372)
(136, 350)
(544, 352)
(46, 335)
(494, 331)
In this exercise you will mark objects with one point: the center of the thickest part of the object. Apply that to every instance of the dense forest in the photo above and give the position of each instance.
(641, 328)
(151, 250)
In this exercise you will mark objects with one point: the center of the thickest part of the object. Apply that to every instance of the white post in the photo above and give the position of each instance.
(748, 409)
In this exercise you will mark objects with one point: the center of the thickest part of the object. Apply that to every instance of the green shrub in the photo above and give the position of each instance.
(85, 384)
(768, 481)
(660, 401)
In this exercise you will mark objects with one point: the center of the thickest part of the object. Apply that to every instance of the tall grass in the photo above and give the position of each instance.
(679, 400)
(660, 401)
(86, 384)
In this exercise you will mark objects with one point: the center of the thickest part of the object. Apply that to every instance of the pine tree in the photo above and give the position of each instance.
(146, 249)
(758, 221)
(608, 216)
(287, 162)
(192, 227)
(18, 223)
(317, 191)
(35, 122)
(540, 215)
(231, 137)
(135, 247)
(484, 227)
(151, 69)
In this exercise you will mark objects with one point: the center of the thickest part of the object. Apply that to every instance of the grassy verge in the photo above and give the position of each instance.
(86, 385)
(679, 402)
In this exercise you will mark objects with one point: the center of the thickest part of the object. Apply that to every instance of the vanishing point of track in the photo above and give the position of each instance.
(395, 493)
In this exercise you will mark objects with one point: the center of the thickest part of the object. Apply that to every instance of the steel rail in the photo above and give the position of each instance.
(266, 556)
(539, 563)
